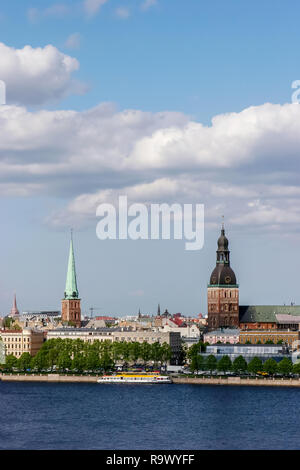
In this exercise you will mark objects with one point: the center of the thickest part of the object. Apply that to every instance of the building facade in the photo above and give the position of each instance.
(264, 352)
(18, 342)
(263, 336)
(227, 335)
(2, 351)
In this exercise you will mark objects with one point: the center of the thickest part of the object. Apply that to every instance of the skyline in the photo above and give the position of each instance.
(163, 102)
(70, 265)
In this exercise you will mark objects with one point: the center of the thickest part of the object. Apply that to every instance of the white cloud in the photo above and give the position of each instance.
(122, 12)
(37, 75)
(245, 165)
(148, 4)
(73, 41)
(92, 7)
(59, 10)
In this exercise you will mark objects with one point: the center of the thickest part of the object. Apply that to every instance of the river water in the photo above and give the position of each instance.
(181, 417)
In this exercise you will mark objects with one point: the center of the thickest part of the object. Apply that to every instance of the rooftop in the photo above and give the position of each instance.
(266, 313)
(224, 332)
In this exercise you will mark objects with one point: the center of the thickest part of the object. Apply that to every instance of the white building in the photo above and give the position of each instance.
(231, 336)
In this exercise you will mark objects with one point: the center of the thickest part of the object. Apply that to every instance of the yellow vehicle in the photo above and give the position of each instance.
(265, 374)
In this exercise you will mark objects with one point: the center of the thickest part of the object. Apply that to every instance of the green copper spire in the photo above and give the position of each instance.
(71, 291)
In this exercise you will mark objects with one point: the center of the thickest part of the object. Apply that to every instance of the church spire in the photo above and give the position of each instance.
(14, 311)
(223, 254)
(71, 291)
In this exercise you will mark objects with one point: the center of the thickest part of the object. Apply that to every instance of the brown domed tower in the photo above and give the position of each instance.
(223, 290)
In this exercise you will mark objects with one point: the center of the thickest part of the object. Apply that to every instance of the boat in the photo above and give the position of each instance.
(135, 379)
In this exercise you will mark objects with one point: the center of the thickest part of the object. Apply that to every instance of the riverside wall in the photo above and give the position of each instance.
(48, 378)
(256, 382)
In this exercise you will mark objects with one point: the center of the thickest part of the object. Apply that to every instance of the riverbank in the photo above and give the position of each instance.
(48, 378)
(239, 381)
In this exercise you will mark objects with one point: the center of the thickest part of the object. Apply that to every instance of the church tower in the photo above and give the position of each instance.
(71, 311)
(223, 290)
(14, 311)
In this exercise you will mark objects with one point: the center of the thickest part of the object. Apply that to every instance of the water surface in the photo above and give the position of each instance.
(111, 416)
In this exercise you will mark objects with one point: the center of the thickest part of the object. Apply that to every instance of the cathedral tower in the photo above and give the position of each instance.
(223, 290)
(71, 311)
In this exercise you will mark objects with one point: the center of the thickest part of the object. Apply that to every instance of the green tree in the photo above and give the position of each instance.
(194, 364)
(270, 366)
(64, 361)
(125, 352)
(211, 363)
(78, 362)
(106, 362)
(24, 361)
(40, 360)
(197, 363)
(92, 361)
(10, 362)
(52, 357)
(117, 350)
(285, 366)
(156, 352)
(239, 365)
(166, 353)
(135, 351)
(224, 364)
(296, 368)
(255, 365)
(7, 322)
(195, 349)
(145, 352)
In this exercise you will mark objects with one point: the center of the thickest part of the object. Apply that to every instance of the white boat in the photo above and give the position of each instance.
(135, 379)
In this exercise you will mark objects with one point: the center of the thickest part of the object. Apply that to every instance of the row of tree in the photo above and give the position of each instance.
(78, 355)
(240, 365)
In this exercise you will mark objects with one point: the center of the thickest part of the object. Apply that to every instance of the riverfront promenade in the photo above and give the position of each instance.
(48, 378)
(54, 378)
(265, 382)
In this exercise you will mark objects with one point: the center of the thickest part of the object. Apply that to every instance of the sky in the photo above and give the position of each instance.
(164, 101)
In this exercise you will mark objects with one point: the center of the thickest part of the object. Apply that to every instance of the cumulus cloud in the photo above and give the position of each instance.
(244, 165)
(37, 75)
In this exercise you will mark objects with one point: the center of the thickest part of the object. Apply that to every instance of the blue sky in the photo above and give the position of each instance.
(215, 78)
(200, 58)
